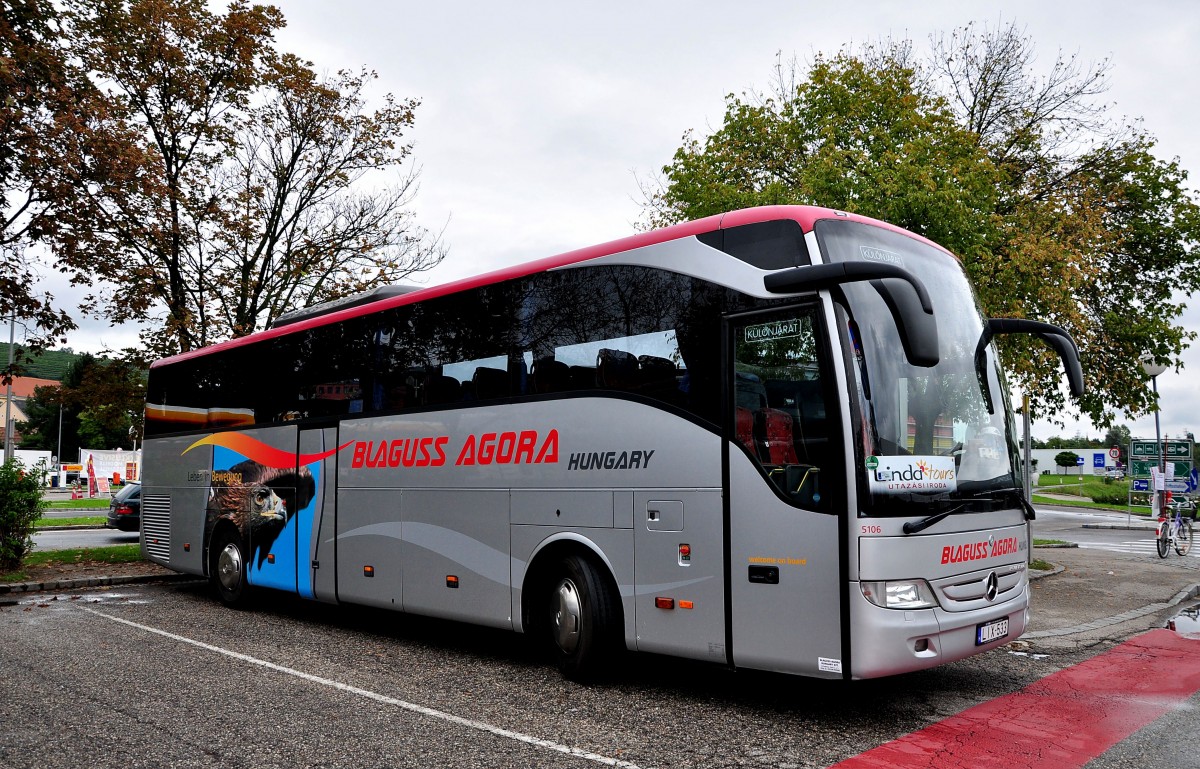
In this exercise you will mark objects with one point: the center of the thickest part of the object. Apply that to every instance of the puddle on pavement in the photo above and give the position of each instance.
(1186, 623)
(65, 599)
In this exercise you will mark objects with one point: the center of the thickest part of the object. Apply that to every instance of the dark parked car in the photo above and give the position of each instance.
(125, 508)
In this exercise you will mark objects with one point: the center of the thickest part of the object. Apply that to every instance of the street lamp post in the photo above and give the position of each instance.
(8, 430)
(1153, 369)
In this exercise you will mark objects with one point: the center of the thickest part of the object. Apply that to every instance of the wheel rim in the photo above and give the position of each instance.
(229, 567)
(566, 616)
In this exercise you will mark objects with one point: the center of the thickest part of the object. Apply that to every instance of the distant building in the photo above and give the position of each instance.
(1095, 461)
(22, 391)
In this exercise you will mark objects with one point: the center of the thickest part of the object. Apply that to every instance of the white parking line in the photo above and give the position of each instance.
(421, 709)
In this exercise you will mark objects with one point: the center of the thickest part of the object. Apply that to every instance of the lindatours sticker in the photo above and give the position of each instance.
(900, 474)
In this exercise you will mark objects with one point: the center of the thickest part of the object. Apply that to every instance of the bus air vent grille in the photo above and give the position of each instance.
(156, 525)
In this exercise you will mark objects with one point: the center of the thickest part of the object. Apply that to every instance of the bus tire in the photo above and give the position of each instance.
(584, 619)
(227, 570)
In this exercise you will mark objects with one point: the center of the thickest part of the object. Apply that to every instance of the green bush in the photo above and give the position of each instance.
(1106, 496)
(20, 505)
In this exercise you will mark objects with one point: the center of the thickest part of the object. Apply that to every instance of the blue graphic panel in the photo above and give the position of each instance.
(304, 519)
(264, 516)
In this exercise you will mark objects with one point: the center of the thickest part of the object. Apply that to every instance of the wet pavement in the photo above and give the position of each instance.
(1099, 596)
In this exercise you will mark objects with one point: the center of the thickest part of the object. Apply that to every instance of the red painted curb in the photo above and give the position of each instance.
(1060, 722)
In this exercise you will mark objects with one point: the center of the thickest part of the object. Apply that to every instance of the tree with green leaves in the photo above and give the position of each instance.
(1066, 459)
(99, 404)
(246, 202)
(1058, 213)
(59, 140)
(21, 505)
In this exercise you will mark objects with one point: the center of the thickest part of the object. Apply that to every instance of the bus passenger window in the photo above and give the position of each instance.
(779, 406)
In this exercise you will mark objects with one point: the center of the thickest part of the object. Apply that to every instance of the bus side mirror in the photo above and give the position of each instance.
(1052, 335)
(905, 296)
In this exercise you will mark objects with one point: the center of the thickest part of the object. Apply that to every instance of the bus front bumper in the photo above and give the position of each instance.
(889, 641)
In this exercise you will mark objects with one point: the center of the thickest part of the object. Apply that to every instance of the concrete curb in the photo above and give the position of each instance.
(1183, 595)
(1034, 574)
(84, 582)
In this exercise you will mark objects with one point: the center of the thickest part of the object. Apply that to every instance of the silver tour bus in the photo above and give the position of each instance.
(778, 438)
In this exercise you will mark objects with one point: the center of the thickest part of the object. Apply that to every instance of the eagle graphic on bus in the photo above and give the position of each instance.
(261, 503)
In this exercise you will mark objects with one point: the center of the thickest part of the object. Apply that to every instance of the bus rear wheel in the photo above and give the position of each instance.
(584, 620)
(227, 571)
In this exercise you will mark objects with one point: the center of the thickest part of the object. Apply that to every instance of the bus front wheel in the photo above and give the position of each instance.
(228, 568)
(584, 619)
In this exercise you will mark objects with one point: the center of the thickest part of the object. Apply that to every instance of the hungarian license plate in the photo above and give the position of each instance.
(991, 631)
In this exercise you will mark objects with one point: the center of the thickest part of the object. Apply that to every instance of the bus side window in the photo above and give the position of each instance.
(550, 376)
(617, 370)
(779, 408)
(490, 383)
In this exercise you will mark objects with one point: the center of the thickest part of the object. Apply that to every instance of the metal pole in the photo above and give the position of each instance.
(1159, 448)
(1027, 444)
(8, 431)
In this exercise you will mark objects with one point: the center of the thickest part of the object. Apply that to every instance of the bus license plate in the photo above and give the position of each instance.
(990, 631)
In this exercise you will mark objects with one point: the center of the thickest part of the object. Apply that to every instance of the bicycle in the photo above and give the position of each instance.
(1174, 529)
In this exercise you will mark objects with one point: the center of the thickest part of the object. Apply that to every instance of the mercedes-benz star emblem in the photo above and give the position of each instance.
(993, 586)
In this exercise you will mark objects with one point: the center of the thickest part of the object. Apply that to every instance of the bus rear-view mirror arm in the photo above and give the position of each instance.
(1052, 335)
(911, 306)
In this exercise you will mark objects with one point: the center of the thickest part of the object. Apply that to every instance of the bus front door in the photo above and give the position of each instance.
(784, 453)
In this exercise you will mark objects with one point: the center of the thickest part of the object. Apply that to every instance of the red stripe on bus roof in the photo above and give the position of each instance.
(806, 216)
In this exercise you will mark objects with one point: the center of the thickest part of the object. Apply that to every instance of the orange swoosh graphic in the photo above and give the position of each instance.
(267, 456)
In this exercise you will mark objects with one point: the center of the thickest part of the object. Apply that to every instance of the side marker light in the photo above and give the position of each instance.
(451, 581)
(664, 603)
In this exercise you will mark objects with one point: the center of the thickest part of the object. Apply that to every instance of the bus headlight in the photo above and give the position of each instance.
(900, 594)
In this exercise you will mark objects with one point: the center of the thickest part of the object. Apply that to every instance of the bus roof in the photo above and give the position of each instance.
(806, 216)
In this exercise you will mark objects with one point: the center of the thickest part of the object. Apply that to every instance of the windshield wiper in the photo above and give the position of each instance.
(912, 527)
(990, 495)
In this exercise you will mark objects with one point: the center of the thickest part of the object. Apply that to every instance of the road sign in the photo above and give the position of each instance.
(1115, 452)
(1140, 484)
(1179, 487)
(1098, 459)
(1079, 461)
(1143, 449)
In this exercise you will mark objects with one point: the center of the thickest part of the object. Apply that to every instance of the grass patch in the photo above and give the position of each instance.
(112, 554)
(72, 504)
(50, 523)
(1038, 499)
(1037, 542)
(1039, 565)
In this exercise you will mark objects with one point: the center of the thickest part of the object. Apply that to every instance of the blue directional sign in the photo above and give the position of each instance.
(1098, 459)
(1178, 487)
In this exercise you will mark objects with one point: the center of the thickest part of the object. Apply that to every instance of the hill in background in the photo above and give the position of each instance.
(52, 364)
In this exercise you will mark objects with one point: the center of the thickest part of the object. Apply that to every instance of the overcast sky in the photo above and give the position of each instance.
(538, 120)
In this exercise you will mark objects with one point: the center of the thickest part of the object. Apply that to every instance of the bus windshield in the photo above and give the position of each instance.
(928, 439)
